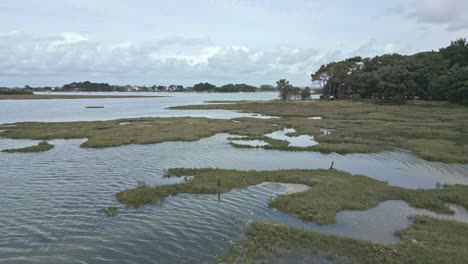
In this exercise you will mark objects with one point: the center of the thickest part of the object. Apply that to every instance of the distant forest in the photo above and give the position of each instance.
(436, 75)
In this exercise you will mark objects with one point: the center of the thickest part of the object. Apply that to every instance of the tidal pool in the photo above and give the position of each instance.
(296, 141)
(49, 211)
(252, 143)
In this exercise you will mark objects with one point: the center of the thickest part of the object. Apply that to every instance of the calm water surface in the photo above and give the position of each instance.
(59, 110)
(49, 201)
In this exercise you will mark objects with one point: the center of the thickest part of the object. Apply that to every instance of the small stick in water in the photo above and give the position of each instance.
(219, 184)
(331, 166)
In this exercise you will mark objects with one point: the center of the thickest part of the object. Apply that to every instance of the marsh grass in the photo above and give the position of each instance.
(137, 131)
(437, 133)
(331, 191)
(42, 146)
(428, 241)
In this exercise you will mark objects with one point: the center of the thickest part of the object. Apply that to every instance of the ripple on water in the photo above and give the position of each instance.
(49, 208)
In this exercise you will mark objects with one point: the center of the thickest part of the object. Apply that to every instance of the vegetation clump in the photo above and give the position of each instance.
(331, 191)
(428, 240)
(110, 211)
(42, 146)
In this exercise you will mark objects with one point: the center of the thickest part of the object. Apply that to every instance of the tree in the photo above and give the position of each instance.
(204, 87)
(305, 94)
(322, 76)
(456, 53)
(285, 89)
(453, 86)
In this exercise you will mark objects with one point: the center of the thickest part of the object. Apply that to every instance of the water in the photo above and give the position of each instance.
(50, 200)
(60, 110)
(49, 208)
(252, 143)
(297, 141)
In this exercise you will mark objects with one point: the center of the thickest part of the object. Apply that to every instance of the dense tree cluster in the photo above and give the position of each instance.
(204, 87)
(436, 75)
(230, 88)
(88, 87)
(236, 88)
(289, 92)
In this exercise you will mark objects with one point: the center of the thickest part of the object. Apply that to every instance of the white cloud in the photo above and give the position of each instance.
(76, 57)
(453, 14)
(75, 54)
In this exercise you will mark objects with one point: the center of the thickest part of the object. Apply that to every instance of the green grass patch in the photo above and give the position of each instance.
(331, 191)
(134, 131)
(42, 146)
(428, 241)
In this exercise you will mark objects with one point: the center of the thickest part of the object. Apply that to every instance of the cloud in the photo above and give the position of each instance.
(453, 14)
(74, 56)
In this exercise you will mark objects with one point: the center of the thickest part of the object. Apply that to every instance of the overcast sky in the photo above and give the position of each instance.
(146, 42)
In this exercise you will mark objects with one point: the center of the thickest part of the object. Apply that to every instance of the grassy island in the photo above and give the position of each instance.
(41, 147)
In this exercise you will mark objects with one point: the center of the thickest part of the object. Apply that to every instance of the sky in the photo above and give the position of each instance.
(147, 42)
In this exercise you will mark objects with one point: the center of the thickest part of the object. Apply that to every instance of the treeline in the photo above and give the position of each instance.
(200, 87)
(436, 75)
(89, 87)
(8, 91)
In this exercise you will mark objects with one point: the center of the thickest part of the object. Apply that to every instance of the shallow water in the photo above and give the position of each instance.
(296, 141)
(49, 208)
(252, 143)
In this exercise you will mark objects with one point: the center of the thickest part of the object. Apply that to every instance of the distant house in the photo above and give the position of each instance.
(171, 87)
